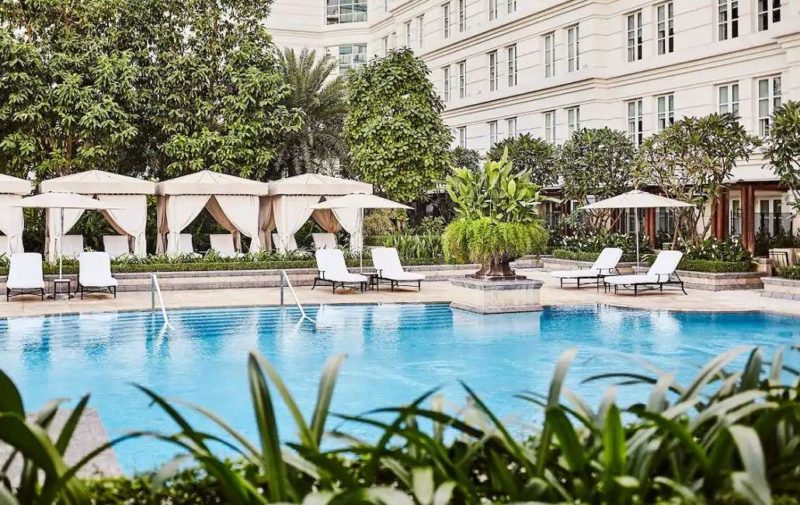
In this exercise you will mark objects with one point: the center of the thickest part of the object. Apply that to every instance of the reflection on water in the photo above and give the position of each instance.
(395, 352)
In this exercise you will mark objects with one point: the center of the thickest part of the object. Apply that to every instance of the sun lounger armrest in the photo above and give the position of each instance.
(321, 273)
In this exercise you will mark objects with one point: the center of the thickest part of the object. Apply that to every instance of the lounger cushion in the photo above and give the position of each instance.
(332, 267)
(402, 276)
(576, 274)
(95, 270)
(387, 263)
(25, 271)
(635, 279)
(324, 240)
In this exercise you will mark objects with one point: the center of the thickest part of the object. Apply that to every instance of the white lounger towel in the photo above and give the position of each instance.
(324, 240)
(116, 245)
(222, 244)
(660, 273)
(72, 246)
(605, 264)
(94, 273)
(332, 268)
(25, 275)
(186, 245)
(387, 263)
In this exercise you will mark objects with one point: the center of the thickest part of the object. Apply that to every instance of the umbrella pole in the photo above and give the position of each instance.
(361, 236)
(61, 247)
(636, 211)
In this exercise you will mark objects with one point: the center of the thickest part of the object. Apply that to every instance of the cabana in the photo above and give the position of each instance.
(291, 202)
(128, 196)
(11, 221)
(234, 202)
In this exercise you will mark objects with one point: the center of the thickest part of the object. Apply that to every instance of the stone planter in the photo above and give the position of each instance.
(496, 296)
(776, 287)
(728, 281)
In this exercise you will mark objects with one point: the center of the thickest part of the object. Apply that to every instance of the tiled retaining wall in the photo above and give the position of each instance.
(787, 289)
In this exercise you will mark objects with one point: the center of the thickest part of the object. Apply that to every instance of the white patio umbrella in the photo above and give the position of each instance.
(359, 201)
(61, 201)
(636, 200)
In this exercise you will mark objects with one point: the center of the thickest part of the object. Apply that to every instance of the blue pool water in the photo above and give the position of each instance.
(395, 352)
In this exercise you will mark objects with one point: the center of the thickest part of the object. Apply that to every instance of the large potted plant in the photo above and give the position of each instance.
(498, 219)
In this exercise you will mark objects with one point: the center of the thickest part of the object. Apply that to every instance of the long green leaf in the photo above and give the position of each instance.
(69, 426)
(327, 383)
(755, 486)
(10, 399)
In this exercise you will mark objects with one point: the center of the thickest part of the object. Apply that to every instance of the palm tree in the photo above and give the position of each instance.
(320, 97)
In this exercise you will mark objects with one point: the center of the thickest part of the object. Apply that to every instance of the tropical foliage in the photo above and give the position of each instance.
(466, 158)
(321, 99)
(534, 155)
(690, 161)
(497, 221)
(394, 128)
(727, 437)
(783, 147)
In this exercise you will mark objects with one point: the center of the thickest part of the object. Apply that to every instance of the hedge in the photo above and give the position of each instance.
(564, 254)
(207, 266)
(789, 272)
(714, 266)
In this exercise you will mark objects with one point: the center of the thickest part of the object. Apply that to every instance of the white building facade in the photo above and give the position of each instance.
(546, 67)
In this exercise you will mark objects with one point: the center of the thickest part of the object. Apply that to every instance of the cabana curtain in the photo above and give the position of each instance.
(130, 220)
(181, 210)
(54, 230)
(350, 220)
(12, 223)
(243, 213)
(290, 213)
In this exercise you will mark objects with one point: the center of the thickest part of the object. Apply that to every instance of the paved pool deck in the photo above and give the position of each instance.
(432, 292)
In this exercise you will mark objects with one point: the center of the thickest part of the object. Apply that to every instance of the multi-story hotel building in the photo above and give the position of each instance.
(547, 67)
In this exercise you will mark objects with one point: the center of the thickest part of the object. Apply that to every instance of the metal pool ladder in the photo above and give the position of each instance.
(155, 290)
(286, 282)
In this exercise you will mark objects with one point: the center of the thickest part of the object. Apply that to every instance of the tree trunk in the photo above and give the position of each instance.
(497, 268)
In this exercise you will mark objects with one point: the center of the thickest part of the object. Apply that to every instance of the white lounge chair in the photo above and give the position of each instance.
(94, 274)
(186, 246)
(605, 264)
(25, 275)
(72, 246)
(324, 240)
(5, 247)
(222, 244)
(387, 264)
(332, 268)
(116, 245)
(661, 273)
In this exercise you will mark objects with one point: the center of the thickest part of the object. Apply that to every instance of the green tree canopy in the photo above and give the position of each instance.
(691, 160)
(783, 147)
(68, 95)
(466, 158)
(321, 99)
(536, 156)
(394, 129)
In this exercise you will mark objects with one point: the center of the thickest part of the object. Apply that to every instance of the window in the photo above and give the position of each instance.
(420, 30)
(511, 127)
(666, 29)
(462, 137)
(462, 79)
(385, 43)
(352, 56)
(385, 5)
(492, 10)
(769, 98)
(346, 11)
(635, 122)
(446, 19)
(446, 84)
(634, 27)
(408, 33)
(492, 133)
(512, 6)
(462, 15)
(550, 55)
(573, 119)
(494, 80)
(550, 126)
(573, 49)
(728, 98)
(665, 105)
(727, 19)
(768, 11)
(511, 51)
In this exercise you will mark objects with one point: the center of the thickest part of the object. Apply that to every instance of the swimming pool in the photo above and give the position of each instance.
(395, 352)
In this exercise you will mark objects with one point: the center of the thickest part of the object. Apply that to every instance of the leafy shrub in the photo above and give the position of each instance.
(782, 239)
(430, 225)
(715, 266)
(587, 241)
(565, 254)
(380, 222)
(479, 240)
(790, 272)
(416, 246)
(728, 250)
